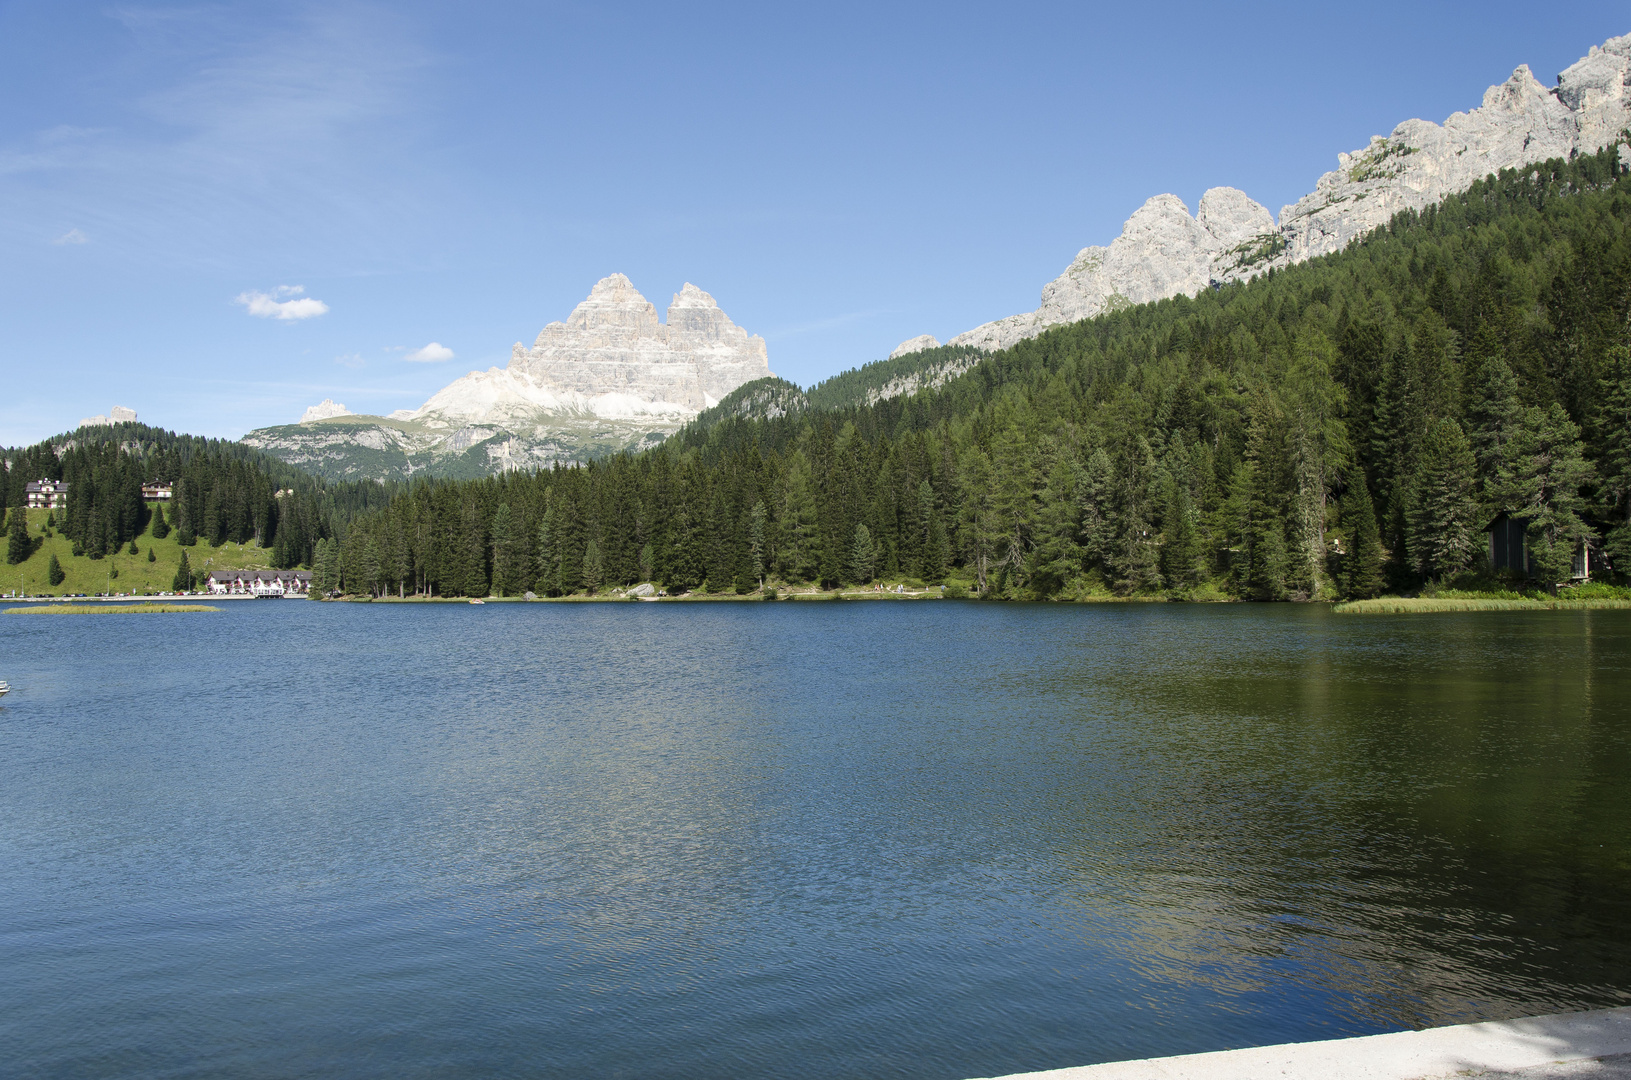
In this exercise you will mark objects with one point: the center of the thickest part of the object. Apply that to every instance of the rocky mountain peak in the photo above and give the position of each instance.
(327, 409)
(1162, 251)
(917, 344)
(690, 296)
(1231, 217)
(614, 305)
(610, 377)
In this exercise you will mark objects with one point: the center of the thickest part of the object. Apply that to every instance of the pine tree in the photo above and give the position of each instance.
(54, 572)
(1319, 447)
(1134, 557)
(507, 554)
(1014, 467)
(861, 556)
(980, 527)
(161, 528)
(756, 543)
(723, 569)
(936, 552)
(593, 568)
(360, 563)
(547, 556)
(1180, 551)
(183, 581)
(687, 532)
(1093, 509)
(1056, 557)
(325, 570)
(1613, 423)
(1443, 513)
(1493, 414)
(472, 553)
(151, 555)
(1258, 505)
(1362, 570)
(799, 556)
(19, 545)
(1541, 483)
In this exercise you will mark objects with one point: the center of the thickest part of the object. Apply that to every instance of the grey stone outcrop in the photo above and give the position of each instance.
(613, 343)
(917, 344)
(1163, 251)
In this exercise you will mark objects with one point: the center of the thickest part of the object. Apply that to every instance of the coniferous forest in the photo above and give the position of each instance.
(223, 491)
(1341, 428)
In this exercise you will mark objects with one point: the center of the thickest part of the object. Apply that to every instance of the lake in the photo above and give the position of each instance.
(920, 840)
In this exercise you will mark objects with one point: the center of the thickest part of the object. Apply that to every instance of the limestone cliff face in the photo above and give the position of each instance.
(912, 345)
(326, 409)
(611, 377)
(612, 357)
(1163, 251)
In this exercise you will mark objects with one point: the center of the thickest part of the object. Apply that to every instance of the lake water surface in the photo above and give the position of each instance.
(857, 840)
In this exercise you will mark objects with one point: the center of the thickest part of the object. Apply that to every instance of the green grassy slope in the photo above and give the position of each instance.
(136, 575)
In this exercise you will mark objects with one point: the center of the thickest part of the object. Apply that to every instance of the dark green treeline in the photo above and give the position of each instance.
(1337, 428)
(223, 491)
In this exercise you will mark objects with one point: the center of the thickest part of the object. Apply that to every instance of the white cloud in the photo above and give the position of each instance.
(237, 130)
(72, 236)
(271, 306)
(350, 360)
(431, 354)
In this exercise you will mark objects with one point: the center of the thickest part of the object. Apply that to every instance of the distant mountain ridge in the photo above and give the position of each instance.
(773, 398)
(610, 377)
(1163, 251)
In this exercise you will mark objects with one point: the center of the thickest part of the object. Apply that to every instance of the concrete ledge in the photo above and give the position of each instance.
(1502, 1046)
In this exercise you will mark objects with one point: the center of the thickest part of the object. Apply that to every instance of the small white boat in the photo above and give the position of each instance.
(478, 601)
(5, 688)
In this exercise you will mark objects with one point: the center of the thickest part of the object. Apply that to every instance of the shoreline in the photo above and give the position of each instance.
(1422, 605)
(1383, 605)
(1526, 1045)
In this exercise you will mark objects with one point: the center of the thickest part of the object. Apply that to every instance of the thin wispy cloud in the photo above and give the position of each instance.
(237, 132)
(350, 360)
(826, 324)
(284, 303)
(434, 353)
(72, 236)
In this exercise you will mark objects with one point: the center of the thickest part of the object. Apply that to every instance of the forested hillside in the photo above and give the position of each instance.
(773, 397)
(224, 492)
(1337, 428)
(1342, 427)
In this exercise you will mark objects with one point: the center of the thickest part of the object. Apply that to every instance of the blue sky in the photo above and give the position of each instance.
(173, 179)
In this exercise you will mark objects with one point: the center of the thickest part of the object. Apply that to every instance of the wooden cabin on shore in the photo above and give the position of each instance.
(1508, 549)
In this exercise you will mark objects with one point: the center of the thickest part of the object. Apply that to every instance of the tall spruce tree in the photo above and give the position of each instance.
(593, 568)
(861, 556)
(19, 545)
(756, 543)
(183, 581)
(547, 555)
(1541, 483)
(509, 554)
(1443, 513)
(1056, 557)
(1493, 413)
(1613, 426)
